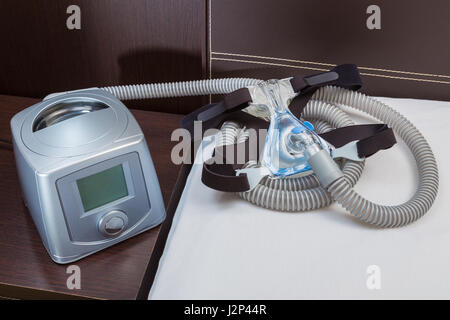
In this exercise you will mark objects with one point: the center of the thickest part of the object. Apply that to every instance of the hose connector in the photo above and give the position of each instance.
(326, 170)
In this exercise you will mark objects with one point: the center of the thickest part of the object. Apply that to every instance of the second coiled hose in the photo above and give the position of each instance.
(305, 193)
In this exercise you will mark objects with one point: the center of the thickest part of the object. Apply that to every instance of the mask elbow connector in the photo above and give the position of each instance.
(319, 159)
(326, 170)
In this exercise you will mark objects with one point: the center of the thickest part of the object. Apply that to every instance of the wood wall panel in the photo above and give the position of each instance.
(120, 42)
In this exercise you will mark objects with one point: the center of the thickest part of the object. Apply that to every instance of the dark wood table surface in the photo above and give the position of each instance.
(26, 270)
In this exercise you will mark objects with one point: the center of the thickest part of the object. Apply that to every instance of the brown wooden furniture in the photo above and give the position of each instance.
(120, 42)
(26, 270)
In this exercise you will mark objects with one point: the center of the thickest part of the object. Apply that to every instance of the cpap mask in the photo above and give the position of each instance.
(313, 153)
(300, 168)
(289, 142)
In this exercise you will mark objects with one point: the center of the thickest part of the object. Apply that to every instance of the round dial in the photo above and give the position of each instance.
(113, 223)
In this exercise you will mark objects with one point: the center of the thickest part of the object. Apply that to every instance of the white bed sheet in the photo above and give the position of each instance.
(222, 247)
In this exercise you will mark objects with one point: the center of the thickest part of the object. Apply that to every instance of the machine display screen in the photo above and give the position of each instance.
(102, 188)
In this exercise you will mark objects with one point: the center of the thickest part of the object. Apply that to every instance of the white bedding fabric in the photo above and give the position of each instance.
(222, 247)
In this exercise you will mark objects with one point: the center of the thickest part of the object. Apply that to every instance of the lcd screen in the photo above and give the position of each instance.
(102, 188)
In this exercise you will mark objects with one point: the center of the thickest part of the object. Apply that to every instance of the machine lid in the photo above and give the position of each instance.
(75, 123)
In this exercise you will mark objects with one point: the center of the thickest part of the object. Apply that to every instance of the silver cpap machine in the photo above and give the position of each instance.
(86, 173)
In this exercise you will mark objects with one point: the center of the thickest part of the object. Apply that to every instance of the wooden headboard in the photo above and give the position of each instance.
(407, 57)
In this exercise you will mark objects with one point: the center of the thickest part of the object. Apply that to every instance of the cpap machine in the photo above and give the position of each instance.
(86, 173)
(88, 179)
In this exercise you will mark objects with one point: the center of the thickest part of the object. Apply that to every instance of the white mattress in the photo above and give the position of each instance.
(222, 247)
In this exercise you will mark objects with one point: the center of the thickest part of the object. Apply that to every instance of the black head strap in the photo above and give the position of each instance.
(371, 138)
(344, 76)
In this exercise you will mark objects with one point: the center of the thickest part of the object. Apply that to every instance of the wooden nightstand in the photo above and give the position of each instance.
(26, 270)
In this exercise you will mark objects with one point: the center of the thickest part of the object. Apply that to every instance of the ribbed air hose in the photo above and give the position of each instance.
(179, 89)
(367, 211)
(304, 193)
